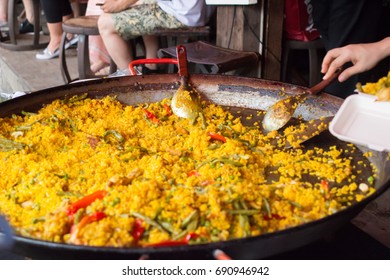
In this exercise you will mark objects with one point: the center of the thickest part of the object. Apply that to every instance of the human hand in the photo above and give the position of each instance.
(116, 6)
(363, 57)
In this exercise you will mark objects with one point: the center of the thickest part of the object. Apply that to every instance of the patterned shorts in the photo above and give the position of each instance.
(143, 20)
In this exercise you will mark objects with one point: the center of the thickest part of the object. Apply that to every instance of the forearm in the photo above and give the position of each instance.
(131, 2)
(384, 48)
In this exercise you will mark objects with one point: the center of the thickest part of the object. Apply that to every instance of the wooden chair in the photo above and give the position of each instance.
(12, 43)
(211, 59)
(82, 26)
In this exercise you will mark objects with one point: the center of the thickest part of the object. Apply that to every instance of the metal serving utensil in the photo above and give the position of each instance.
(281, 112)
(186, 100)
(311, 129)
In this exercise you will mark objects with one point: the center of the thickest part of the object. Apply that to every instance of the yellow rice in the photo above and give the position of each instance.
(374, 88)
(169, 172)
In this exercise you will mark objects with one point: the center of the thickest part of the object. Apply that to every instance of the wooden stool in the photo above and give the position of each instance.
(12, 43)
(313, 47)
(210, 59)
(82, 26)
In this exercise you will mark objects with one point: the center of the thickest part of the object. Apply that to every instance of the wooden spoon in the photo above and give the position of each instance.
(186, 101)
(281, 112)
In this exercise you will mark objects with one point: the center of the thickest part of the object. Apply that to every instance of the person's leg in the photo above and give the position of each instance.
(3, 12)
(151, 48)
(55, 12)
(55, 30)
(29, 9)
(117, 47)
(75, 8)
(141, 20)
(27, 25)
(98, 54)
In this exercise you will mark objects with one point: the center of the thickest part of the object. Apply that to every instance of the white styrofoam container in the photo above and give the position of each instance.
(363, 121)
(231, 2)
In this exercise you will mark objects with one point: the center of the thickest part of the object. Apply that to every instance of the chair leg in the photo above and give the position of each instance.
(63, 66)
(285, 57)
(314, 67)
(37, 21)
(11, 21)
(83, 57)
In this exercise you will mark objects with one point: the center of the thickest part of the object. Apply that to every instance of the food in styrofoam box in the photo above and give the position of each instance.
(363, 120)
(380, 89)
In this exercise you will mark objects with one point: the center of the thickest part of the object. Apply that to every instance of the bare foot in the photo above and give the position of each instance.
(97, 66)
(103, 72)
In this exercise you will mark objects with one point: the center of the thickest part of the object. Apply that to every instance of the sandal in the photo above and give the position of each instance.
(71, 42)
(47, 54)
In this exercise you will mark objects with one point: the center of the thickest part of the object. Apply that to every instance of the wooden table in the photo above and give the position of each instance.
(375, 219)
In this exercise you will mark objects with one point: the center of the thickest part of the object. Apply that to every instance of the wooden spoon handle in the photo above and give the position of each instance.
(324, 83)
(182, 61)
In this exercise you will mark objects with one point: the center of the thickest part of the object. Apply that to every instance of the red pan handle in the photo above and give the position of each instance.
(150, 61)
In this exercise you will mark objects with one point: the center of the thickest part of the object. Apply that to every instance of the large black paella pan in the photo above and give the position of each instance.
(242, 96)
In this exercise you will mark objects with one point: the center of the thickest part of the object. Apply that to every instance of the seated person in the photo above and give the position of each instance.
(123, 20)
(98, 55)
(56, 12)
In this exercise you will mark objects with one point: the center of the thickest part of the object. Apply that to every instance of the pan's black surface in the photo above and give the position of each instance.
(247, 94)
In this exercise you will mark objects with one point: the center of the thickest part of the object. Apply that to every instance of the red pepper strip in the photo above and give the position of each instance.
(272, 216)
(151, 117)
(325, 187)
(216, 136)
(190, 236)
(167, 109)
(74, 231)
(185, 241)
(138, 229)
(193, 173)
(85, 201)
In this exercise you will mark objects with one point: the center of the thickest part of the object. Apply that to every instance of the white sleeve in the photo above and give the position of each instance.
(188, 12)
